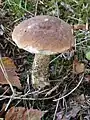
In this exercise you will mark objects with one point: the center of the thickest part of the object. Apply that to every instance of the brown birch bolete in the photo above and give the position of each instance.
(44, 36)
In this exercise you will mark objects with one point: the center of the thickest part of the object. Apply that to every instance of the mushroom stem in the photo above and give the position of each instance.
(40, 67)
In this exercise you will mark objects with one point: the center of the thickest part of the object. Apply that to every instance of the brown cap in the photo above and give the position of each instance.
(43, 34)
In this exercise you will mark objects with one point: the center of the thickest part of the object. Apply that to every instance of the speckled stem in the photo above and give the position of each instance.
(40, 67)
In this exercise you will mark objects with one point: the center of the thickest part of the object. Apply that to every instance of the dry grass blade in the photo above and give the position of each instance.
(36, 6)
(53, 89)
(71, 90)
(57, 104)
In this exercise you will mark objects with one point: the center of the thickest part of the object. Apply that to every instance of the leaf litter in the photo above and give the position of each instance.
(10, 71)
(74, 108)
(21, 113)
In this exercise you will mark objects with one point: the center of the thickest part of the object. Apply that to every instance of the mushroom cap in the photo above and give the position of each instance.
(43, 34)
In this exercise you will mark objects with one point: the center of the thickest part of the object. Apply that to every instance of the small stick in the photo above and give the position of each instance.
(71, 90)
(58, 105)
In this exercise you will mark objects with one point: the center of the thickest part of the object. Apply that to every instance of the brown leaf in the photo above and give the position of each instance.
(20, 113)
(80, 26)
(0, 2)
(78, 67)
(87, 78)
(81, 99)
(10, 70)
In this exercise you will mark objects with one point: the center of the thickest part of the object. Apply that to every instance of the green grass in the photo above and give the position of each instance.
(73, 11)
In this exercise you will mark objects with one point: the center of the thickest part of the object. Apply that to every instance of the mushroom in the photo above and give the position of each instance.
(44, 36)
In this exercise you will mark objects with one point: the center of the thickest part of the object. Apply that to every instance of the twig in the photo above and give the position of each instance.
(5, 92)
(56, 110)
(8, 104)
(24, 98)
(71, 90)
(10, 41)
(58, 105)
(53, 89)
(26, 94)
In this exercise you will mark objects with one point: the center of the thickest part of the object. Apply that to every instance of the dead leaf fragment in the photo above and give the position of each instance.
(80, 26)
(78, 67)
(0, 2)
(20, 113)
(87, 78)
(68, 115)
(10, 70)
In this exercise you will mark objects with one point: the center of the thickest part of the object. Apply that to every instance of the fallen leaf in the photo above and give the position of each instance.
(10, 70)
(80, 26)
(87, 78)
(68, 115)
(78, 67)
(0, 2)
(81, 99)
(21, 113)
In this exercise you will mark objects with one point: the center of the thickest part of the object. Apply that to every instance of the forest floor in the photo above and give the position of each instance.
(68, 97)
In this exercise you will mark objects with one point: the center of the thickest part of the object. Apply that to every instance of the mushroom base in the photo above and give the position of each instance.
(40, 74)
